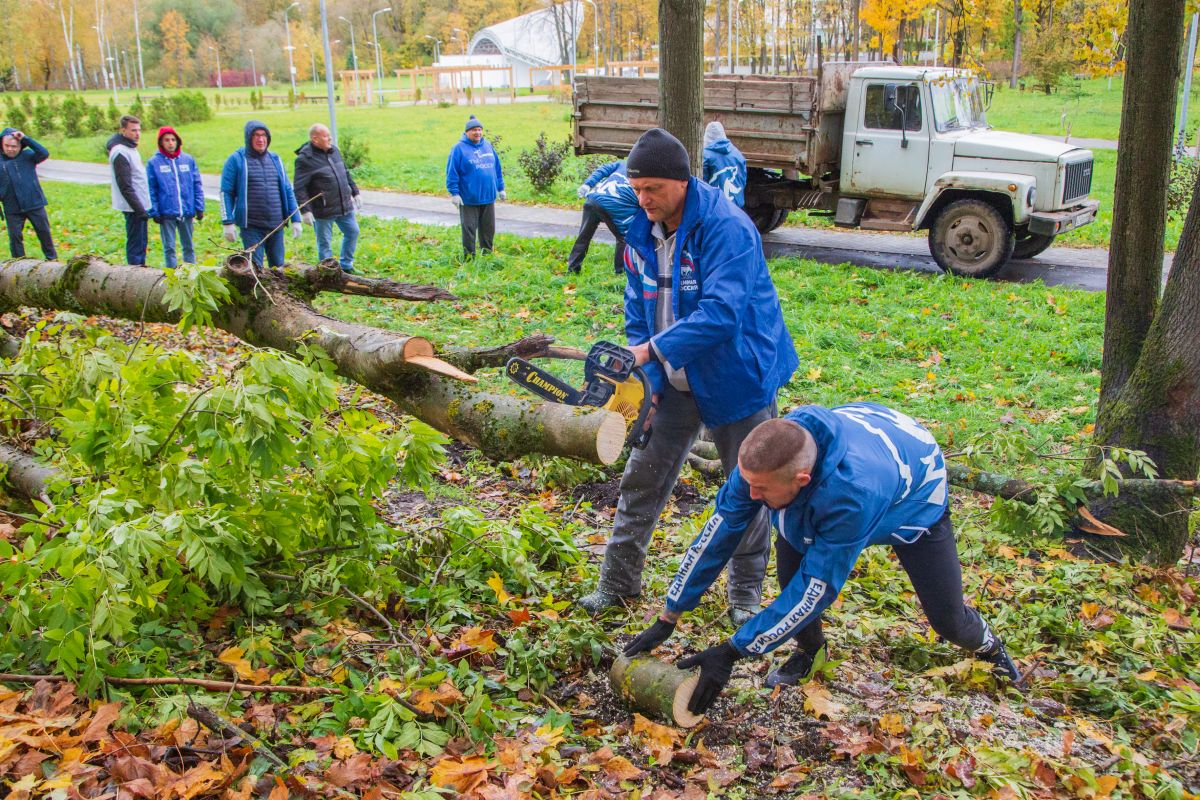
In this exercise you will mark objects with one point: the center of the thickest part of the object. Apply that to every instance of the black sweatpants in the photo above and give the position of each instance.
(477, 221)
(593, 215)
(933, 567)
(15, 222)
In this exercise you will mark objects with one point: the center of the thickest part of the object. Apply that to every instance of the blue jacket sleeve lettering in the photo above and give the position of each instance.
(728, 283)
(601, 172)
(714, 546)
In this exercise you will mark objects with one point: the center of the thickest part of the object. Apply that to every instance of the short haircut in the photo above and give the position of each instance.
(129, 119)
(776, 444)
(316, 126)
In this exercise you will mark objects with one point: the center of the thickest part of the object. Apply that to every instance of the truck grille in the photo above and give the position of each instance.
(1078, 181)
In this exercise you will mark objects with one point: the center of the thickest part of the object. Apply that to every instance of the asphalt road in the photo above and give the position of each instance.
(1084, 268)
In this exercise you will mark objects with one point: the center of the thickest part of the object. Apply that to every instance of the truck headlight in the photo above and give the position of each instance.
(1031, 196)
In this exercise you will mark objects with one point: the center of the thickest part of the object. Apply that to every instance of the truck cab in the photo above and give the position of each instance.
(917, 154)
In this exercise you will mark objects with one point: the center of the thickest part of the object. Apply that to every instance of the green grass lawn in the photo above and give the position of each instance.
(962, 355)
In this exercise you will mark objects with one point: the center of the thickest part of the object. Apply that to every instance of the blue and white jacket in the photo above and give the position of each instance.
(176, 190)
(233, 183)
(473, 172)
(729, 332)
(612, 191)
(725, 168)
(879, 479)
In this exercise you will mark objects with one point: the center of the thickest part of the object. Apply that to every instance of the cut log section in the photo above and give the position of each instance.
(656, 689)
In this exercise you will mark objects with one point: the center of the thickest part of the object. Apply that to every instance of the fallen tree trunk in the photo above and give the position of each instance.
(272, 309)
(658, 689)
(1025, 492)
(24, 474)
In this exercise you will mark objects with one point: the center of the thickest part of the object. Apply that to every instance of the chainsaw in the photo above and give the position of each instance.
(612, 380)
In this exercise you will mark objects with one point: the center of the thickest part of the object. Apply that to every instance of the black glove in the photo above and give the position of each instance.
(716, 665)
(199, 216)
(650, 638)
(159, 220)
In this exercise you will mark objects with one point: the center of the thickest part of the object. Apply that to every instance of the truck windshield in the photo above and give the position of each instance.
(956, 103)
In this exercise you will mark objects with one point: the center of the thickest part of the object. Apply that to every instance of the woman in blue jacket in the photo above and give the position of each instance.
(176, 195)
(21, 194)
(474, 180)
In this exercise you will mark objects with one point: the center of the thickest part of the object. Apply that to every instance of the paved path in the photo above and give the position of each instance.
(1093, 144)
(1084, 268)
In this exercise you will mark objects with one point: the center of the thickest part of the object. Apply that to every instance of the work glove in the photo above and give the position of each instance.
(199, 216)
(230, 232)
(650, 638)
(358, 203)
(503, 195)
(307, 218)
(457, 200)
(716, 665)
(159, 220)
(297, 229)
(142, 215)
(583, 190)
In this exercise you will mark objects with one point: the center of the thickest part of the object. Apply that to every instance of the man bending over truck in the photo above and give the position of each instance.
(835, 481)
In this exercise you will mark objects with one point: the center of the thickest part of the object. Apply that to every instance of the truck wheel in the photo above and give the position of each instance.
(763, 217)
(781, 216)
(1031, 244)
(971, 239)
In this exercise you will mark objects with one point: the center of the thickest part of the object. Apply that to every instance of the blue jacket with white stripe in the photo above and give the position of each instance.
(879, 479)
(611, 190)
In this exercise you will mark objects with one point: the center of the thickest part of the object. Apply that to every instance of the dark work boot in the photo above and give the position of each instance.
(798, 669)
(598, 601)
(1002, 663)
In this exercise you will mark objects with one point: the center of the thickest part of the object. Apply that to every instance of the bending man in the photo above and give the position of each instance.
(835, 480)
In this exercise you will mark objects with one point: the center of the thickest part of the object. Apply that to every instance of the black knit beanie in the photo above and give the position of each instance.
(472, 123)
(658, 154)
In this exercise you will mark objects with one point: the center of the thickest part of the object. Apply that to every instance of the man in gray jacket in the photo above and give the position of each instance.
(130, 189)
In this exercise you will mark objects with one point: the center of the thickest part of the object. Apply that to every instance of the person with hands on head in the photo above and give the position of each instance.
(130, 187)
(474, 179)
(21, 195)
(176, 195)
(834, 481)
(257, 197)
(703, 319)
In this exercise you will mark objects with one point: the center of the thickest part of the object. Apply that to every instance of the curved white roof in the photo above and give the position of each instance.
(531, 38)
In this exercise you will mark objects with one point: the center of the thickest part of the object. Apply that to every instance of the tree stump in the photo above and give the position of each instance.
(656, 689)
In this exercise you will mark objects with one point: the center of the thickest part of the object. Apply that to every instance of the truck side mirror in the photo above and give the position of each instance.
(891, 101)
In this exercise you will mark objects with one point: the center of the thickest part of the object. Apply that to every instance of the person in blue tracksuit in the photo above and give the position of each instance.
(724, 164)
(835, 480)
(608, 198)
(176, 195)
(257, 197)
(474, 179)
(21, 196)
(703, 317)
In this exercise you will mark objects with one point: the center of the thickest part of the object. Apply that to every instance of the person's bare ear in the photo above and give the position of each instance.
(803, 479)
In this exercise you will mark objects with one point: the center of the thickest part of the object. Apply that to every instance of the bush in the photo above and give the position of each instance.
(43, 116)
(586, 165)
(355, 150)
(1184, 174)
(114, 114)
(97, 121)
(158, 114)
(74, 116)
(15, 115)
(543, 163)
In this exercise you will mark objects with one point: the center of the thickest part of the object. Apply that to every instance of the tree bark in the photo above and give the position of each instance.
(855, 28)
(24, 474)
(655, 688)
(1155, 37)
(270, 310)
(1018, 19)
(681, 72)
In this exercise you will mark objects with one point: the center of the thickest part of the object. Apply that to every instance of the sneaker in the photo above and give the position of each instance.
(1002, 663)
(740, 615)
(798, 669)
(598, 601)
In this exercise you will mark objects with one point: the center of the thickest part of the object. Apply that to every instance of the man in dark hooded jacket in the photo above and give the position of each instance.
(327, 195)
(21, 194)
(257, 197)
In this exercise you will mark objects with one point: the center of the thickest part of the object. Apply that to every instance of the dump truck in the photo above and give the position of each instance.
(877, 147)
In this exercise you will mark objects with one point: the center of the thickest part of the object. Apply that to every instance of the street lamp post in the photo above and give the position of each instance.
(353, 47)
(112, 78)
(287, 28)
(137, 35)
(464, 40)
(253, 69)
(314, 63)
(378, 58)
(437, 47)
(217, 50)
(595, 34)
(328, 73)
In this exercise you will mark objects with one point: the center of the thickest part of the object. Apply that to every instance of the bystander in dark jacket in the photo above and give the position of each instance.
(327, 195)
(21, 195)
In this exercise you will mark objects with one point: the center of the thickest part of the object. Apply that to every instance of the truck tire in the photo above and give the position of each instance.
(764, 217)
(781, 216)
(1031, 244)
(971, 239)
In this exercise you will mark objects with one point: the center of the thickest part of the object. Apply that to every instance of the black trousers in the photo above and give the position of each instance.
(936, 574)
(477, 221)
(15, 222)
(593, 215)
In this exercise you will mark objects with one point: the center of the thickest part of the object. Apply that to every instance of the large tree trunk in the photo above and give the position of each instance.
(681, 72)
(1155, 36)
(272, 310)
(1018, 18)
(1150, 381)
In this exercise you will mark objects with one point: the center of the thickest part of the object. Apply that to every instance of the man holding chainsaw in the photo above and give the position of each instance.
(836, 480)
(703, 319)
